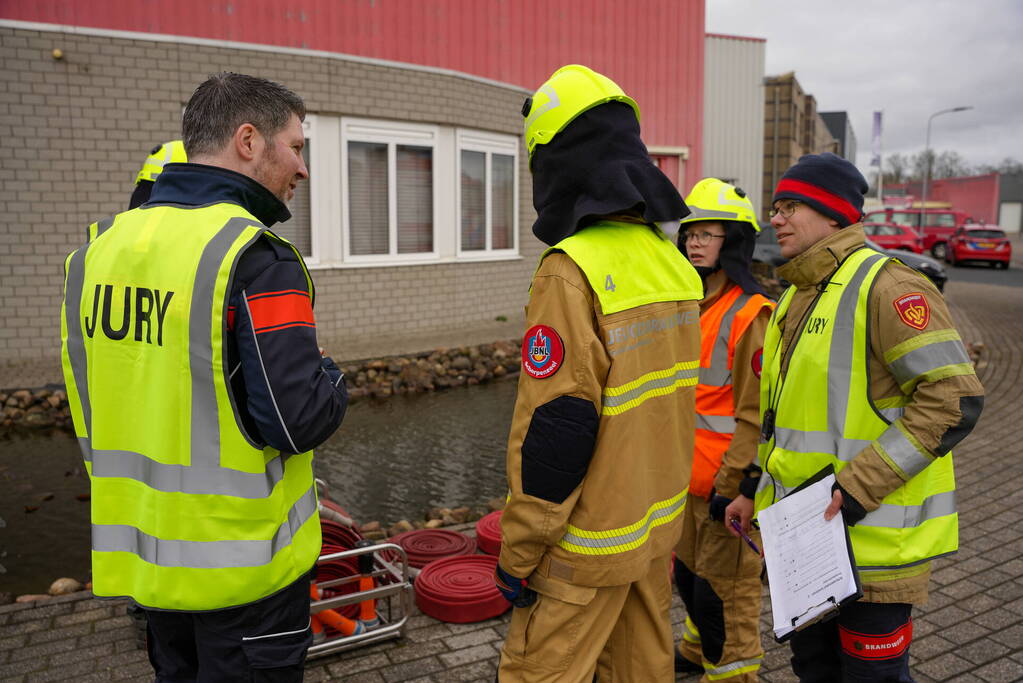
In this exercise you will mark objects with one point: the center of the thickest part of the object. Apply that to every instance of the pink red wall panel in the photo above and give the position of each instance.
(653, 48)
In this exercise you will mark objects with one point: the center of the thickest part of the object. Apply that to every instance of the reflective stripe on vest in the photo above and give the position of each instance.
(613, 541)
(202, 554)
(718, 372)
(825, 415)
(196, 517)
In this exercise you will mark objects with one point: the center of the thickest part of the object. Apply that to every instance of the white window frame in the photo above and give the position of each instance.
(391, 133)
(489, 144)
(683, 156)
(309, 131)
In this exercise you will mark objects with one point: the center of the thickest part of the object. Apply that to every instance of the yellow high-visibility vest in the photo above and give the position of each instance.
(629, 265)
(824, 414)
(188, 511)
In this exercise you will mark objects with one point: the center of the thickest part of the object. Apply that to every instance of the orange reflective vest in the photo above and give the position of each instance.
(721, 327)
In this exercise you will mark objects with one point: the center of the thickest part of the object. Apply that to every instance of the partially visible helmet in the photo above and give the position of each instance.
(167, 153)
(570, 91)
(715, 200)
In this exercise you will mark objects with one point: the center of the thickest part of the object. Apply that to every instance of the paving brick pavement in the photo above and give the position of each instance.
(971, 630)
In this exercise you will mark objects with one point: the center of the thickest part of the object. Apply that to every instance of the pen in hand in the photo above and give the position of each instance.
(749, 541)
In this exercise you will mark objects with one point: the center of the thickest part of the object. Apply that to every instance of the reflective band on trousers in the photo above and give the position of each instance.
(617, 400)
(719, 424)
(613, 541)
(203, 554)
(690, 633)
(717, 673)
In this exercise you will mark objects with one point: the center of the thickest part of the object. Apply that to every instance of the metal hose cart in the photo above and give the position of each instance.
(391, 592)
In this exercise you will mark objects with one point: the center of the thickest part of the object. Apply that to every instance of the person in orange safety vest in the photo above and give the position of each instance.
(717, 574)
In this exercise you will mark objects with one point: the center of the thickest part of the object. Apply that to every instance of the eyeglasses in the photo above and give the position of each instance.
(785, 210)
(701, 238)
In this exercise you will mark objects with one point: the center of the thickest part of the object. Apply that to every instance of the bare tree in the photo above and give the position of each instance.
(950, 164)
(1006, 165)
(898, 166)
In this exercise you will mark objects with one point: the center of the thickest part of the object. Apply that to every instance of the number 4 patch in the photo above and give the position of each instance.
(609, 284)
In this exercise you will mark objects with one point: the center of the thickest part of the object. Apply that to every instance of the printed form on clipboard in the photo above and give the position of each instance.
(810, 565)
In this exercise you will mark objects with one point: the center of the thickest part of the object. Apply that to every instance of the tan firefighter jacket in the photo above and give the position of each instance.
(941, 411)
(600, 451)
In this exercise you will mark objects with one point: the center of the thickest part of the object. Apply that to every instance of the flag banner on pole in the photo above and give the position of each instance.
(875, 143)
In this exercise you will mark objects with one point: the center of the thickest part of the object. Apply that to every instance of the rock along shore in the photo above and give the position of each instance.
(47, 407)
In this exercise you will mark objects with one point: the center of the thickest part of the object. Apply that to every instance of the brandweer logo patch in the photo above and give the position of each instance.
(913, 310)
(542, 352)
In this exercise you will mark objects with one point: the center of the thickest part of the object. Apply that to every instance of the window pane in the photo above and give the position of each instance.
(298, 230)
(415, 199)
(502, 208)
(906, 218)
(367, 198)
(473, 209)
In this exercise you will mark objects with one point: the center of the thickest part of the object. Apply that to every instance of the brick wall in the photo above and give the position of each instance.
(74, 132)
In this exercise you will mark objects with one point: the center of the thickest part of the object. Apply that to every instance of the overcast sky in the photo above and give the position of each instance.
(908, 58)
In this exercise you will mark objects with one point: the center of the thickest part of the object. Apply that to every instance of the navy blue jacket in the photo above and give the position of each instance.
(287, 396)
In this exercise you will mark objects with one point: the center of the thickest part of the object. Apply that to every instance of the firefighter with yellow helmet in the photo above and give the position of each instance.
(717, 575)
(601, 442)
(171, 152)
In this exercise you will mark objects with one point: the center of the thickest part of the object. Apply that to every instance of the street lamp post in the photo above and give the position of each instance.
(927, 164)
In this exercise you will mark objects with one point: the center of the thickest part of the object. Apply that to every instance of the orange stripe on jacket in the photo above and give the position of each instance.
(279, 310)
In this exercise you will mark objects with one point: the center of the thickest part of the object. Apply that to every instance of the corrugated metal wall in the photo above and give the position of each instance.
(733, 112)
(976, 195)
(653, 48)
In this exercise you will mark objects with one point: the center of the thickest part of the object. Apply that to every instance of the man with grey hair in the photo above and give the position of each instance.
(200, 394)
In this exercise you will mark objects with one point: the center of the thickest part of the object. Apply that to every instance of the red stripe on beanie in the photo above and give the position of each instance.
(832, 201)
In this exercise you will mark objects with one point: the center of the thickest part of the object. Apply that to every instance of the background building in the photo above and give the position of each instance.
(733, 112)
(417, 216)
(792, 128)
(840, 127)
(980, 196)
(1010, 202)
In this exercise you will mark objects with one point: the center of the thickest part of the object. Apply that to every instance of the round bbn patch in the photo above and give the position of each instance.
(758, 362)
(542, 352)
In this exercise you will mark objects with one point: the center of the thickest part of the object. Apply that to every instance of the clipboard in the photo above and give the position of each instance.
(836, 603)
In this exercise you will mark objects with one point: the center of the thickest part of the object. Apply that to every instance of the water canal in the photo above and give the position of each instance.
(390, 460)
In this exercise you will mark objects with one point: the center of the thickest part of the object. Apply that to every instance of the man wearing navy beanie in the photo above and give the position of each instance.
(863, 371)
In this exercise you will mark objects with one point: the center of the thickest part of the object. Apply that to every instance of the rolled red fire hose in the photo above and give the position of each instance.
(460, 589)
(426, 545)
(488, 533)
